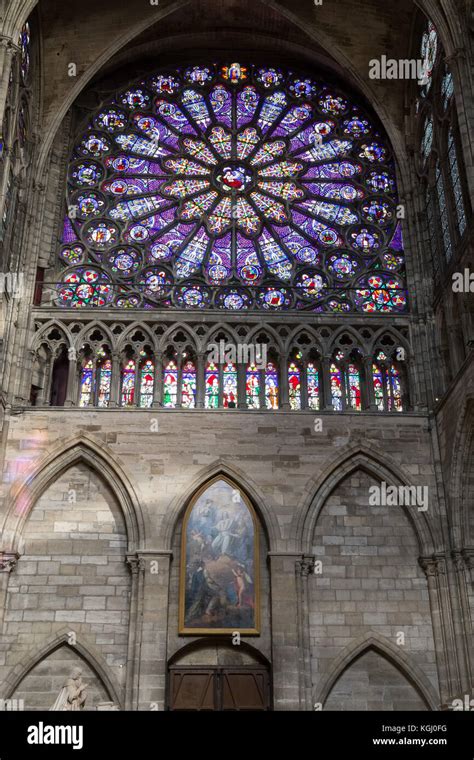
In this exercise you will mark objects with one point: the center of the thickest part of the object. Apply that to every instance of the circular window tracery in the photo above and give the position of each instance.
(233, 187)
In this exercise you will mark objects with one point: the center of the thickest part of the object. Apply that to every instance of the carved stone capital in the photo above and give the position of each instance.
(8, 561)
(429, 565)
(8, 44)
(458, 53)
(458, 560)
(39, 187)
(134, 563)
(468, 556)
(305, 565)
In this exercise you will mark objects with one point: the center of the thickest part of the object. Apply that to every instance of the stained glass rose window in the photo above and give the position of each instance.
(235, 187)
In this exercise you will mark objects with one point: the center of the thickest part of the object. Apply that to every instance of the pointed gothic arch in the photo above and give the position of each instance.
(462, 446)
(23, 497)
(83, 648)
(405, 665)
(383, 468)
(241, 481)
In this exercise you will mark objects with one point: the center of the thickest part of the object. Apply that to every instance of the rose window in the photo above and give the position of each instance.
(232, 187)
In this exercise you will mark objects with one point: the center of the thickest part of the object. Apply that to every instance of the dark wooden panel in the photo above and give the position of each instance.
(192, 690)
(244, 690)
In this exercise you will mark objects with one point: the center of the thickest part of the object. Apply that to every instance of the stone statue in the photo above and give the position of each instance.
(73, 695)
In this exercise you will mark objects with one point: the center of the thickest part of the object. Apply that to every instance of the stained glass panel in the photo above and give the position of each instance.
(429, 48)
(212, 386)
(170, 385)
(447, 88)
(377, 379)
(427, 139)
(104, 371)
(312, 379)
(188, 386)
(253, 387)
(443, 212)
(294, 386)
(86, 392)
(394, 389)
(271, 386)
(128, 383)
(232, 178)
(456, 183)
(353, 383)
(336, 387)
(147, 379)
(230, 385)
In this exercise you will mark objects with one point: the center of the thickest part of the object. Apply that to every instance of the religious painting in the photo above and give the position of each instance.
(219, 584)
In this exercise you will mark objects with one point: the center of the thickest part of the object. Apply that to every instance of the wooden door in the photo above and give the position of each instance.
(193, 688)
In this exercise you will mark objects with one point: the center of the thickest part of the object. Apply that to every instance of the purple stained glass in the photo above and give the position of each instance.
(396, 242)
(231, 186)
(69, 235)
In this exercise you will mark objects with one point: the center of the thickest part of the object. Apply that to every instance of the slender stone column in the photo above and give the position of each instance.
(136, 388)
(409, 401)
(326, 402)
(115, 380)
(304, 385)
(152, 629)
(40, 401)
(241, 385)
(200, 381)
(284, 390)
(444, 644)
(7, 51)
(462, 618)
(158, 381)
(220, 369)
(285, 636)
(304, 568)
(71, 388)
(8, 561)
(261, 388)
(179, 385)
(368, 385)
(134, 631)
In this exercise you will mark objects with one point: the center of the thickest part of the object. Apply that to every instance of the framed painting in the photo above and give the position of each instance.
(219, 575)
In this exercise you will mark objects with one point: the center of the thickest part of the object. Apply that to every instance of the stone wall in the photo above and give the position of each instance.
(372, 683)
(371, 584)
(71, 575)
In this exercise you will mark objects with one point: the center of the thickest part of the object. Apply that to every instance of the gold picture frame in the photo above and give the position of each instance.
(240, 575)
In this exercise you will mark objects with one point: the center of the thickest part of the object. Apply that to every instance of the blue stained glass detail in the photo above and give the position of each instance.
(294, 119)
(336, 191)
(221, 103)
(141, 146)
(190, 258)
(196, 106)
(328, 150)
(247, 102)
(331, 211)
(272, 107)
(172, 115)
(334, 170)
